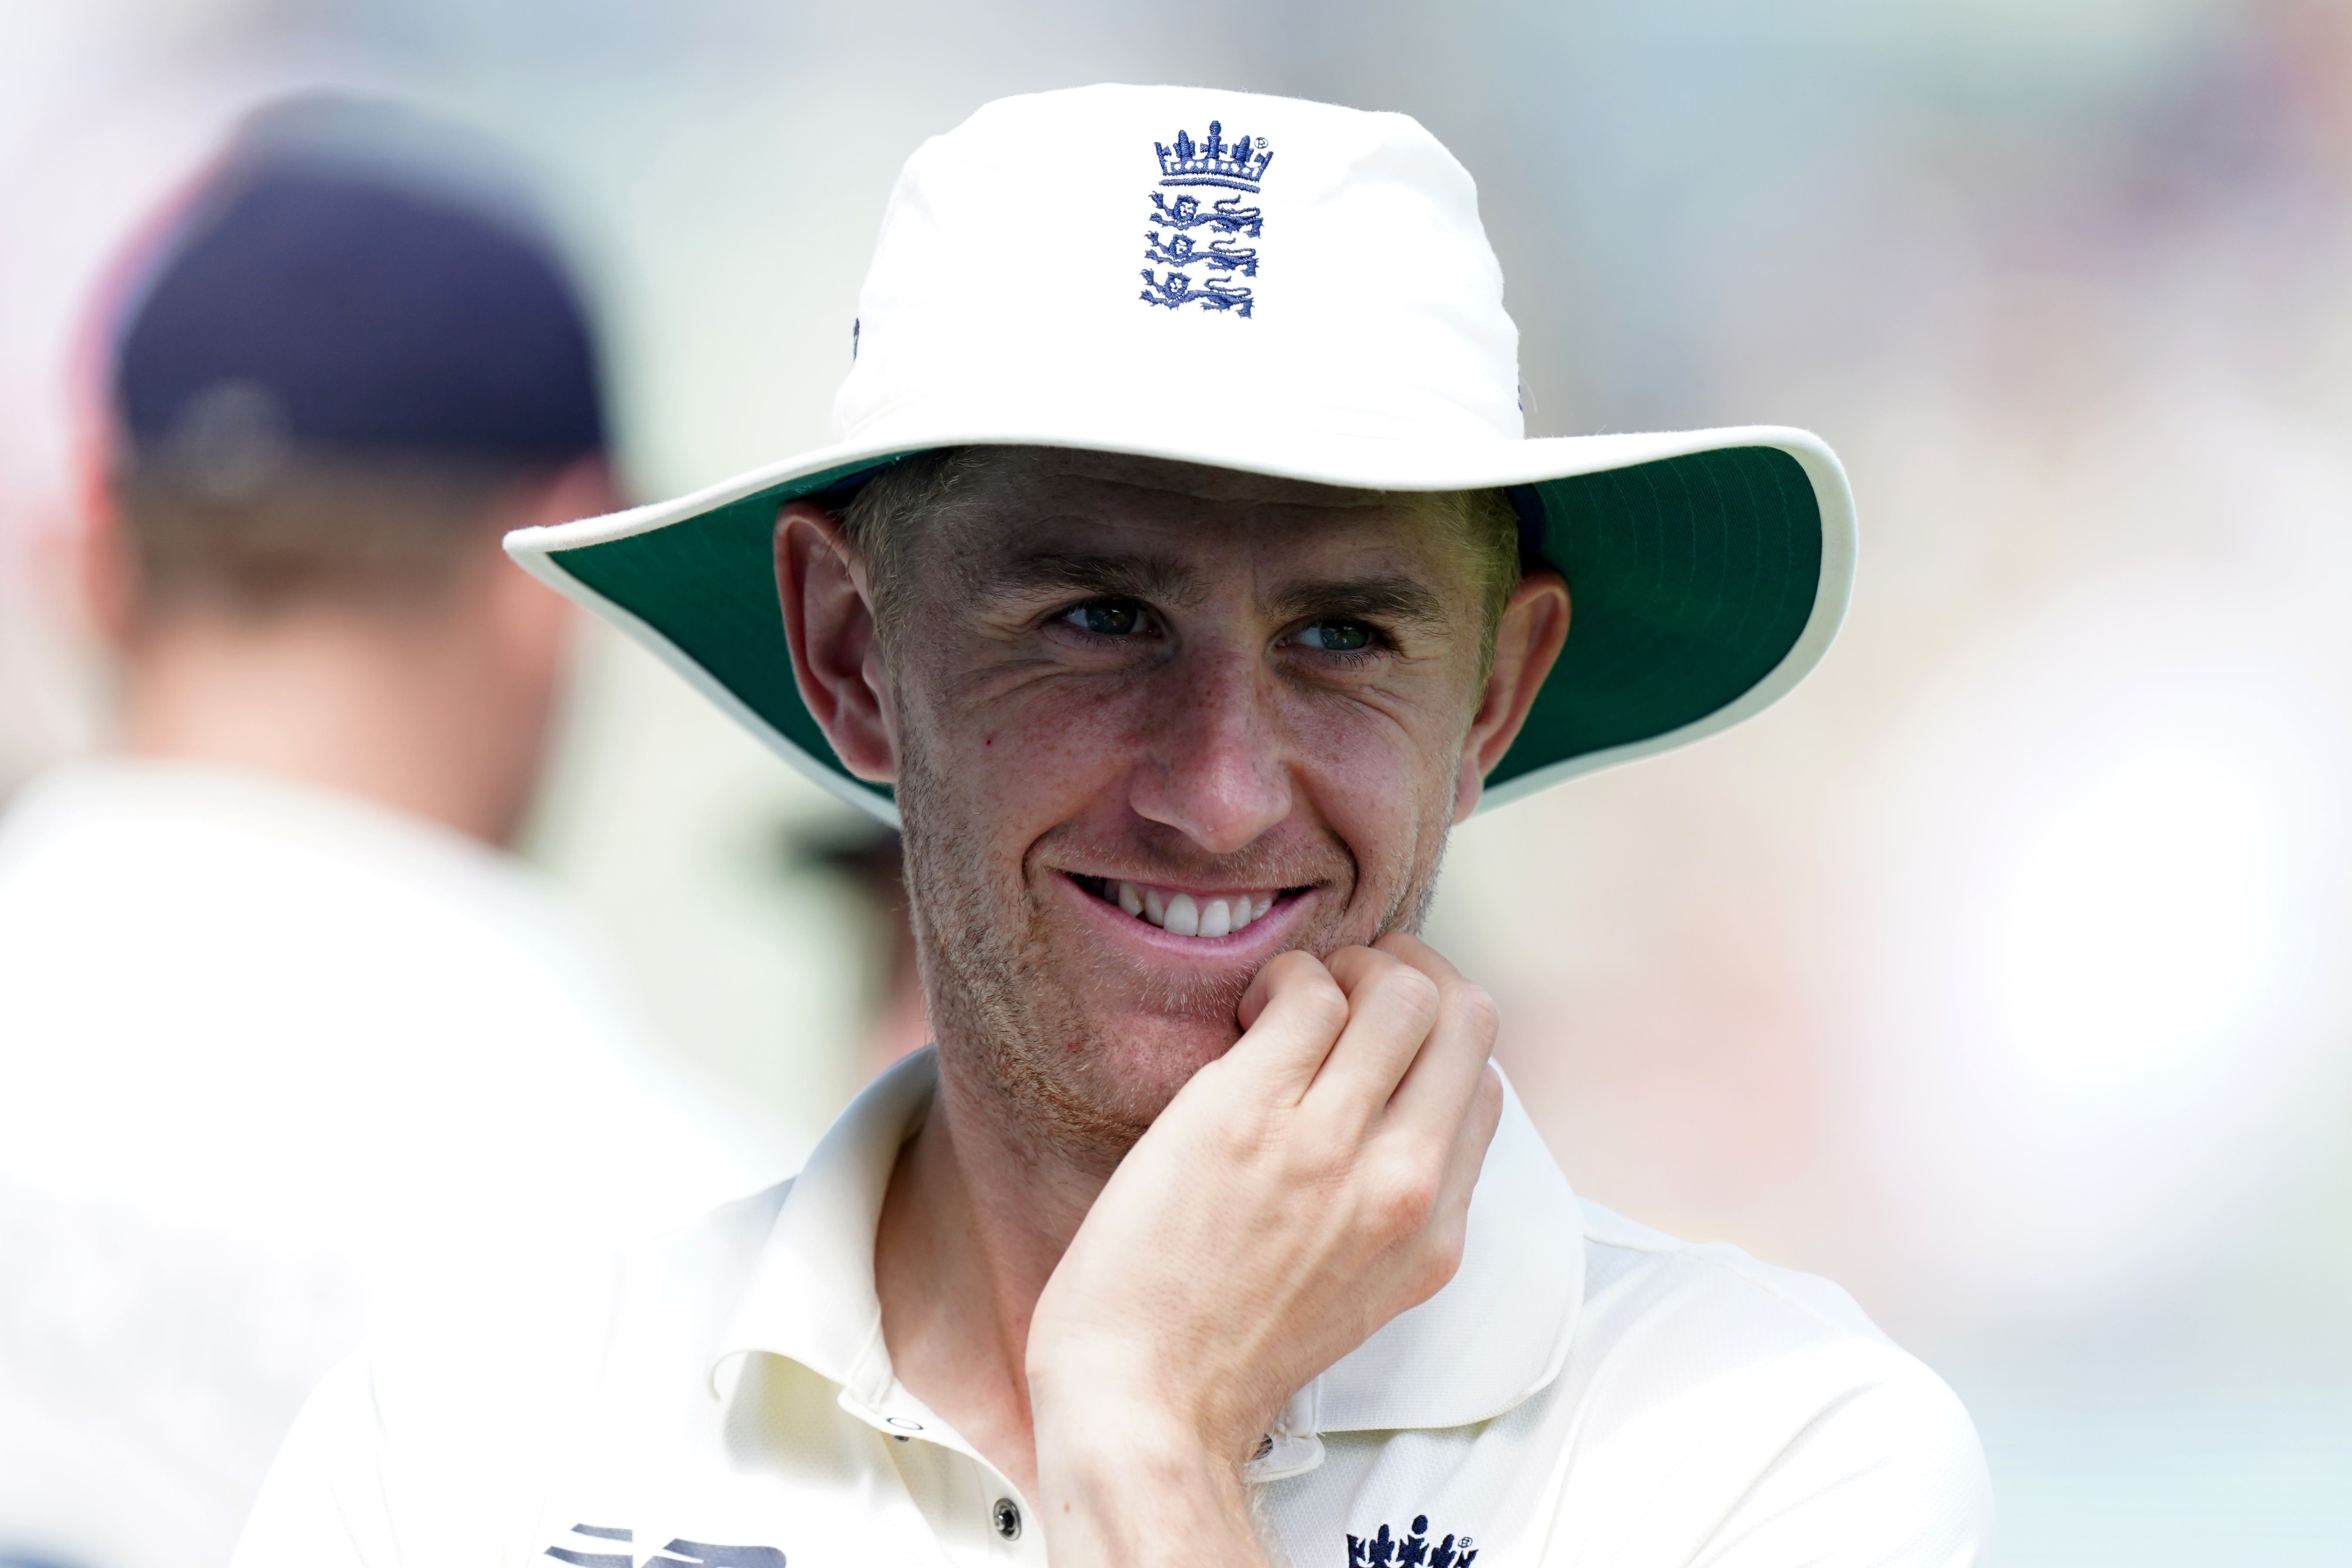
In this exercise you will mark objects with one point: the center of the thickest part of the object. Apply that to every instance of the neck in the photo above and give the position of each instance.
(401, 708)
(977, 1218)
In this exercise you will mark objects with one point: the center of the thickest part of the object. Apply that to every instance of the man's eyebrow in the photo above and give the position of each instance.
(1368, 598)
(1149, 577)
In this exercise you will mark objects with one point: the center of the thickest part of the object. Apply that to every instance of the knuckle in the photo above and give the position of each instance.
(1326, 1006)
(1404, 1200)
(1233, 1147)
(1476, 1009)
(1413, 992)
(1309, 986)
(1239, 1126)
(1437, 1265)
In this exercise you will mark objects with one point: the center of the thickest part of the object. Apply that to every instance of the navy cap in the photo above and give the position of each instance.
(360, 304)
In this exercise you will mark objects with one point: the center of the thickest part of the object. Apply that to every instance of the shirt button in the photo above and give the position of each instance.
(1007, 1514)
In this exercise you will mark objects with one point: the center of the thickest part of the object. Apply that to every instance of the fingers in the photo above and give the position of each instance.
(1437, 1087)
(1467, 1154)
(1391, 1008)
(1291, 1016)
(1262, 984)
(1445, 1111)
(1389, 1032)
(1450, 1171)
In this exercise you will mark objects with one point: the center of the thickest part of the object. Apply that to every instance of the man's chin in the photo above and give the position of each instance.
(1137, 1061)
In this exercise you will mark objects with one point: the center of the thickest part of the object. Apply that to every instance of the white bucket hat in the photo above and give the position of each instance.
(1278, 286)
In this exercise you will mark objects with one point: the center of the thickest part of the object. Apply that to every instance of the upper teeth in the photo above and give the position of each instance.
(1187, 916)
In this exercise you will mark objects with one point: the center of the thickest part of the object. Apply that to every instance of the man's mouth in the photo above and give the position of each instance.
(1181, 913)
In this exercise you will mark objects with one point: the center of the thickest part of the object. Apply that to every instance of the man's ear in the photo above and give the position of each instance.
(1526, 645)
(828, 608)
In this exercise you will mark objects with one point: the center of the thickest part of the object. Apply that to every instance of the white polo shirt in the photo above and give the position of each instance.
(1584, 1392)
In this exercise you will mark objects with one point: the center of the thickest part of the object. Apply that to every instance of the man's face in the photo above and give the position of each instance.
(1155, 725)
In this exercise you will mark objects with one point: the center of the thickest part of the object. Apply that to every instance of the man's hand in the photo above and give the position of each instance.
(1295, 1196)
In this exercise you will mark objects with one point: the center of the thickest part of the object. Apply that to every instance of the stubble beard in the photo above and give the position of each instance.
(1004, 1003)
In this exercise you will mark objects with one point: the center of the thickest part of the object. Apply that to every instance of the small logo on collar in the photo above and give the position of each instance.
(679, 1554)
(1414, 1550)
(1239, 164)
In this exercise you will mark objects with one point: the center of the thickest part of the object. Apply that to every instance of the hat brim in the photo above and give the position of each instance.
(1708, 571)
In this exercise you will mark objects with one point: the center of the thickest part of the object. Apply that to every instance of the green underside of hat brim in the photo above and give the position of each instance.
(1691, 579)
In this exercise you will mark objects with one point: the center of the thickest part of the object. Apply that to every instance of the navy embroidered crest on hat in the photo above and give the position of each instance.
(1240, 165)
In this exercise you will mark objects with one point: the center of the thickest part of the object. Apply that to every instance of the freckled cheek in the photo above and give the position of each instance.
(1051, 751)
(1372, 778)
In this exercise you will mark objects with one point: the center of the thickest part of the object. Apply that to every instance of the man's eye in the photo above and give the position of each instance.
(1108, 617)
(1335, 636)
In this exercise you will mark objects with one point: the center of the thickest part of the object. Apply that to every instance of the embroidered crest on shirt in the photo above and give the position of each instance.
(1414, 1550)
(680, 1553)
(1200, 245)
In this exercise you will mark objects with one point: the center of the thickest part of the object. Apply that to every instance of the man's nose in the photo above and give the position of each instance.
(1213, 765)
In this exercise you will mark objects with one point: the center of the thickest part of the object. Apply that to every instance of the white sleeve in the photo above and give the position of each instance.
(1889, 1475)
(434, 1448)
(324, 1503)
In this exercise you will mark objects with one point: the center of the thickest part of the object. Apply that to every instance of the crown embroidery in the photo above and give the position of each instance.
(1185, 271)
(1414, 1550)
(1240, 163)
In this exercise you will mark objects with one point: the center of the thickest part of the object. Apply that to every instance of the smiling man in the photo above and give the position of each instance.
(1178, 625)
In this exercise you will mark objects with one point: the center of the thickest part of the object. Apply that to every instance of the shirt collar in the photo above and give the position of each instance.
(811, 1298)
(1497, 1333)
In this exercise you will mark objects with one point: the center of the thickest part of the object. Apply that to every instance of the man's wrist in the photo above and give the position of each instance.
(1111, 1418)
(1125, 1480)
(1095, 1387)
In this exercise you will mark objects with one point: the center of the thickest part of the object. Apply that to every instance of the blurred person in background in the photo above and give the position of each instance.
(286, 1033)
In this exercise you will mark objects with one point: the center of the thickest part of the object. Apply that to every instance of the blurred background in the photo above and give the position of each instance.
(1999, 974)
